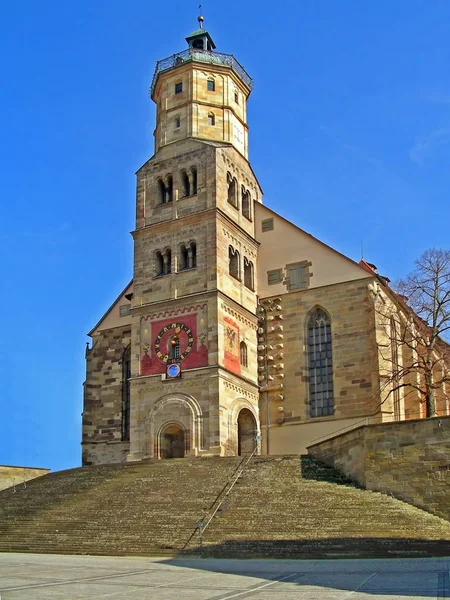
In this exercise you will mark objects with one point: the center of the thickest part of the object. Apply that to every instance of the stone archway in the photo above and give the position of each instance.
(247, 432)
(172, 441)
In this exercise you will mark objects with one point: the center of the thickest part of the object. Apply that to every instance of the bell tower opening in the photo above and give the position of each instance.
(172, 442)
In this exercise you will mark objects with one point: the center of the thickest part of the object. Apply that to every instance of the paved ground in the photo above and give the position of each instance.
(39, 577)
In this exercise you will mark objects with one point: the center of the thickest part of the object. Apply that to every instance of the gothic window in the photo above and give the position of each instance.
(246, 204)
(161, 191)
(232, 190)
(126, 374)
(320, 364)
(211, 118)
(234, 263)
(177, 122)
(185, 185)
(178, 87)
(243, 354)
(248, 274)
(211, 85)
(169, 189)
(159, 263)
(183, 258)
(194, 180)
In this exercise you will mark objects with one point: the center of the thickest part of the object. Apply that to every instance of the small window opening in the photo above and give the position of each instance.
(194, 181)
(185, 185)
(169, 189)
(183, 258)
(232, 190)
(167, 259)
(159, 264)
(243, 354)
(234, 263)
(177, 122)
(236, 97)
(198, 44)
(248, 274)
(192, 255)
(211, 119)
(246, 204)
(211, 85)
(161, 191)
(178, 87)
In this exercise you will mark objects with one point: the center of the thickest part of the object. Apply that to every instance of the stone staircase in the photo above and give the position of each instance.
(280, 507)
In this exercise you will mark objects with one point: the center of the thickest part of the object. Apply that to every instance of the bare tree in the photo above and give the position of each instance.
(415, 318)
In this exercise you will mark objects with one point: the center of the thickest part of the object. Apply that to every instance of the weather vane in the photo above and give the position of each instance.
(200, 18)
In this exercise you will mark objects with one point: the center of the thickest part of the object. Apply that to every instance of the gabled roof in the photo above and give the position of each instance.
(122, 293)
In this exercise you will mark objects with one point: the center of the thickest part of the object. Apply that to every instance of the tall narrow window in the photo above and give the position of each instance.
(248, 274)
(211, 118)
(183, 258)
(232, 190)
(234, 263)
(211, 85)
(185, 185)
(178, 87)
(320, 364)
(159, 263)
(243, 354)
(169, 189)
(126, 374)
(161, 191)
(194, 180)
(177, 122)
(192, 255)
(395, 369)
(167, 259)
(246, 204)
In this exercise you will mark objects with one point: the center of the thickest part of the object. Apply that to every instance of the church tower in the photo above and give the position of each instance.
(194, 375)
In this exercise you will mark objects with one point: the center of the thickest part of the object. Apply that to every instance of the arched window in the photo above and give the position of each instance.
(248, 274)
(243, 354)
(211, 85)
(159, 263)
(232, 190)
(246, 204)
(169, 188)
(320, 364)
(185, 185)
(167, 259)
(174, 347)
(211, 118)
(161, 191)
(126, 374)
(194, 181)
(234, 263)
(192, 255)
(183, 258)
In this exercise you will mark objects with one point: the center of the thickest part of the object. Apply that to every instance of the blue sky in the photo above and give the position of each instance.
(349, 134)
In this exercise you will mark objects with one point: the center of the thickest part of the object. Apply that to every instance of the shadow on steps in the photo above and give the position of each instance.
(317, 471)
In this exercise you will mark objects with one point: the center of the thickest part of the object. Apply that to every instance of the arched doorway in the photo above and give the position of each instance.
(247, 432)
(172, 442)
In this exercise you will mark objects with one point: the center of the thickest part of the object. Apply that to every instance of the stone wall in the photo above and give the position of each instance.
(409, 459)
(10, 476)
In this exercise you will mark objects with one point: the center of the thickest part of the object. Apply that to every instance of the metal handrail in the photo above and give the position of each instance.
(205, 56)
(203, 523)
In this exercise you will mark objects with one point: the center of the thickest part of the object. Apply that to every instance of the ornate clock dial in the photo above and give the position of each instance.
(174, 342)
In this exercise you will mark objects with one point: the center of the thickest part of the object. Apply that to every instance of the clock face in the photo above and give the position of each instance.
(174, 343)
(173, 370)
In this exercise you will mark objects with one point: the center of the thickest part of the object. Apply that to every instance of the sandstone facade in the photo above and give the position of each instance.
(238, 327)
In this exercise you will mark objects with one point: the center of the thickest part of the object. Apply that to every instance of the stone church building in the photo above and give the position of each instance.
(238, 328)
